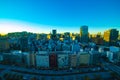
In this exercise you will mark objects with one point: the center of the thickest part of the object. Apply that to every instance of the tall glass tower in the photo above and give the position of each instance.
(84, 34)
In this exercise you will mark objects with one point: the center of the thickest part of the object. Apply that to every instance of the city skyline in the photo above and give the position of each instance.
(64, 16)
(8, 26)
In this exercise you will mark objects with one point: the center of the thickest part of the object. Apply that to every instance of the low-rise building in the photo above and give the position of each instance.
(26, 58)
(63, 60)
(118, 57)
(73, 60)
(42, 60)
(84, 58)
(112, 56)
(33, 59)
(10, 58)
(95, 57)
(53, 60)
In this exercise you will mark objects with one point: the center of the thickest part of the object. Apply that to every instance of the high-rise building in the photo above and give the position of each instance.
(111, 36)
(84, 33)
(54, 32)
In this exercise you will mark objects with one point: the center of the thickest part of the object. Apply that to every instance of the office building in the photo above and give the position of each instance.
(95, 57)
(84, 34)
(54, 34)
(83, 59)
(42, 60)
(110, 37)
(112, 56)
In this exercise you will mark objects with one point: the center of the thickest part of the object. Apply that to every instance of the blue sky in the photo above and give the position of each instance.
(63, 15)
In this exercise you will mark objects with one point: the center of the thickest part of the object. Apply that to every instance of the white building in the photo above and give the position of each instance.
(42, 60)
(112, 56)
(101, 50)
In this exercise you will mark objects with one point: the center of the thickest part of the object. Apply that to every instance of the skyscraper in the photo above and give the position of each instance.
(54, 34)
(84, 33)
(110, 36)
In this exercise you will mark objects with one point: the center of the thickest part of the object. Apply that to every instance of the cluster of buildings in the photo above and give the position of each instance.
(113, 54)
(111, 37)
(44, 59)
(61, 59)
(56, 50)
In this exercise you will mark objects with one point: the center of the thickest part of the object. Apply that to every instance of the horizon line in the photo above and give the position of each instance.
(19, 26)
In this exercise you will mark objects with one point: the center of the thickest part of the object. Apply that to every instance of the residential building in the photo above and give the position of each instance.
(63, 60)
(73, 60)
(95, 57)
(83, 59)
(42, 60)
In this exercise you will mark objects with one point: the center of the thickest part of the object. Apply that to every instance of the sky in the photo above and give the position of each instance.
(41, 16)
